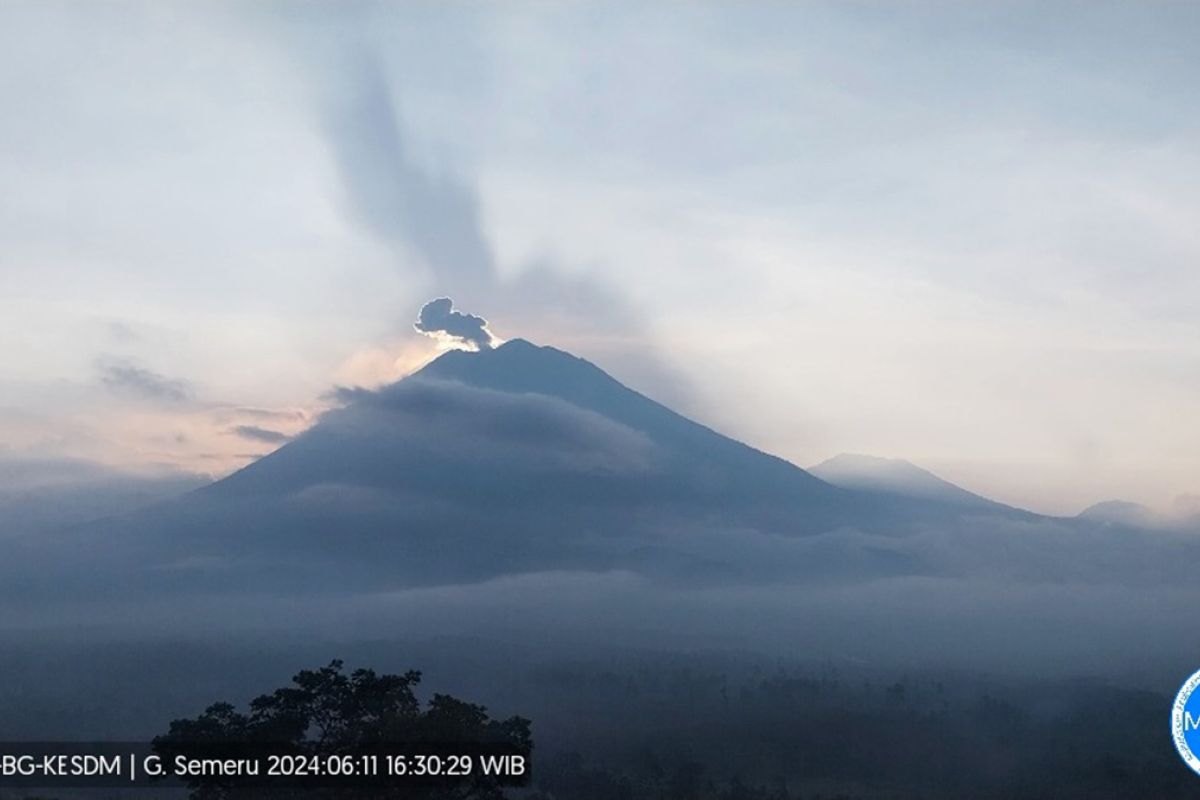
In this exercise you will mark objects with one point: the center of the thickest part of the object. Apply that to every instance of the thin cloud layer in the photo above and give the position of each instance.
(129, 378)
(258, 434)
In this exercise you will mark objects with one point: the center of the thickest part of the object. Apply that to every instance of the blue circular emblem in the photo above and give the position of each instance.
(1185, 722)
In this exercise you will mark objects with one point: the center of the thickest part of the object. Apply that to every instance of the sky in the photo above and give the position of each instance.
(961, 234)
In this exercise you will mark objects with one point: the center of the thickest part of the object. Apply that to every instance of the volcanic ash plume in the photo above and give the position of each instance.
(439, 320)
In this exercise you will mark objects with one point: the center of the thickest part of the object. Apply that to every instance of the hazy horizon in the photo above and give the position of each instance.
(964, 239)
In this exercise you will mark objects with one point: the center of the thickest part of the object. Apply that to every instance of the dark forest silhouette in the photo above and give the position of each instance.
(329, 712)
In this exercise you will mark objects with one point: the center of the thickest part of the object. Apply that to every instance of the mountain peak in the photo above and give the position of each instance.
(519, 365)
(521, 344)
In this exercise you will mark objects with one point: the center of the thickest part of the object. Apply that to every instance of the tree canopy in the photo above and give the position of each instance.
(328, 711)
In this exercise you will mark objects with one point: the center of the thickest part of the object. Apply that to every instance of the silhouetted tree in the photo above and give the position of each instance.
(329, 712)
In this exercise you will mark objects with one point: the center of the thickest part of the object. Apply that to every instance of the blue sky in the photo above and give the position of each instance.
(958, 233)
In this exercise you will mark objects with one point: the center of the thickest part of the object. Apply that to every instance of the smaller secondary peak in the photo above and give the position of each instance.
(894, 476)
(1121, 512)
(863, 461)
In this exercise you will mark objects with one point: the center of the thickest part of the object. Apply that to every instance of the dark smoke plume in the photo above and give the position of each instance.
(439, 319)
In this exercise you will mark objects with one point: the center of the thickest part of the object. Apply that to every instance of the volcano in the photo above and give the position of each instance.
(510, 460)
